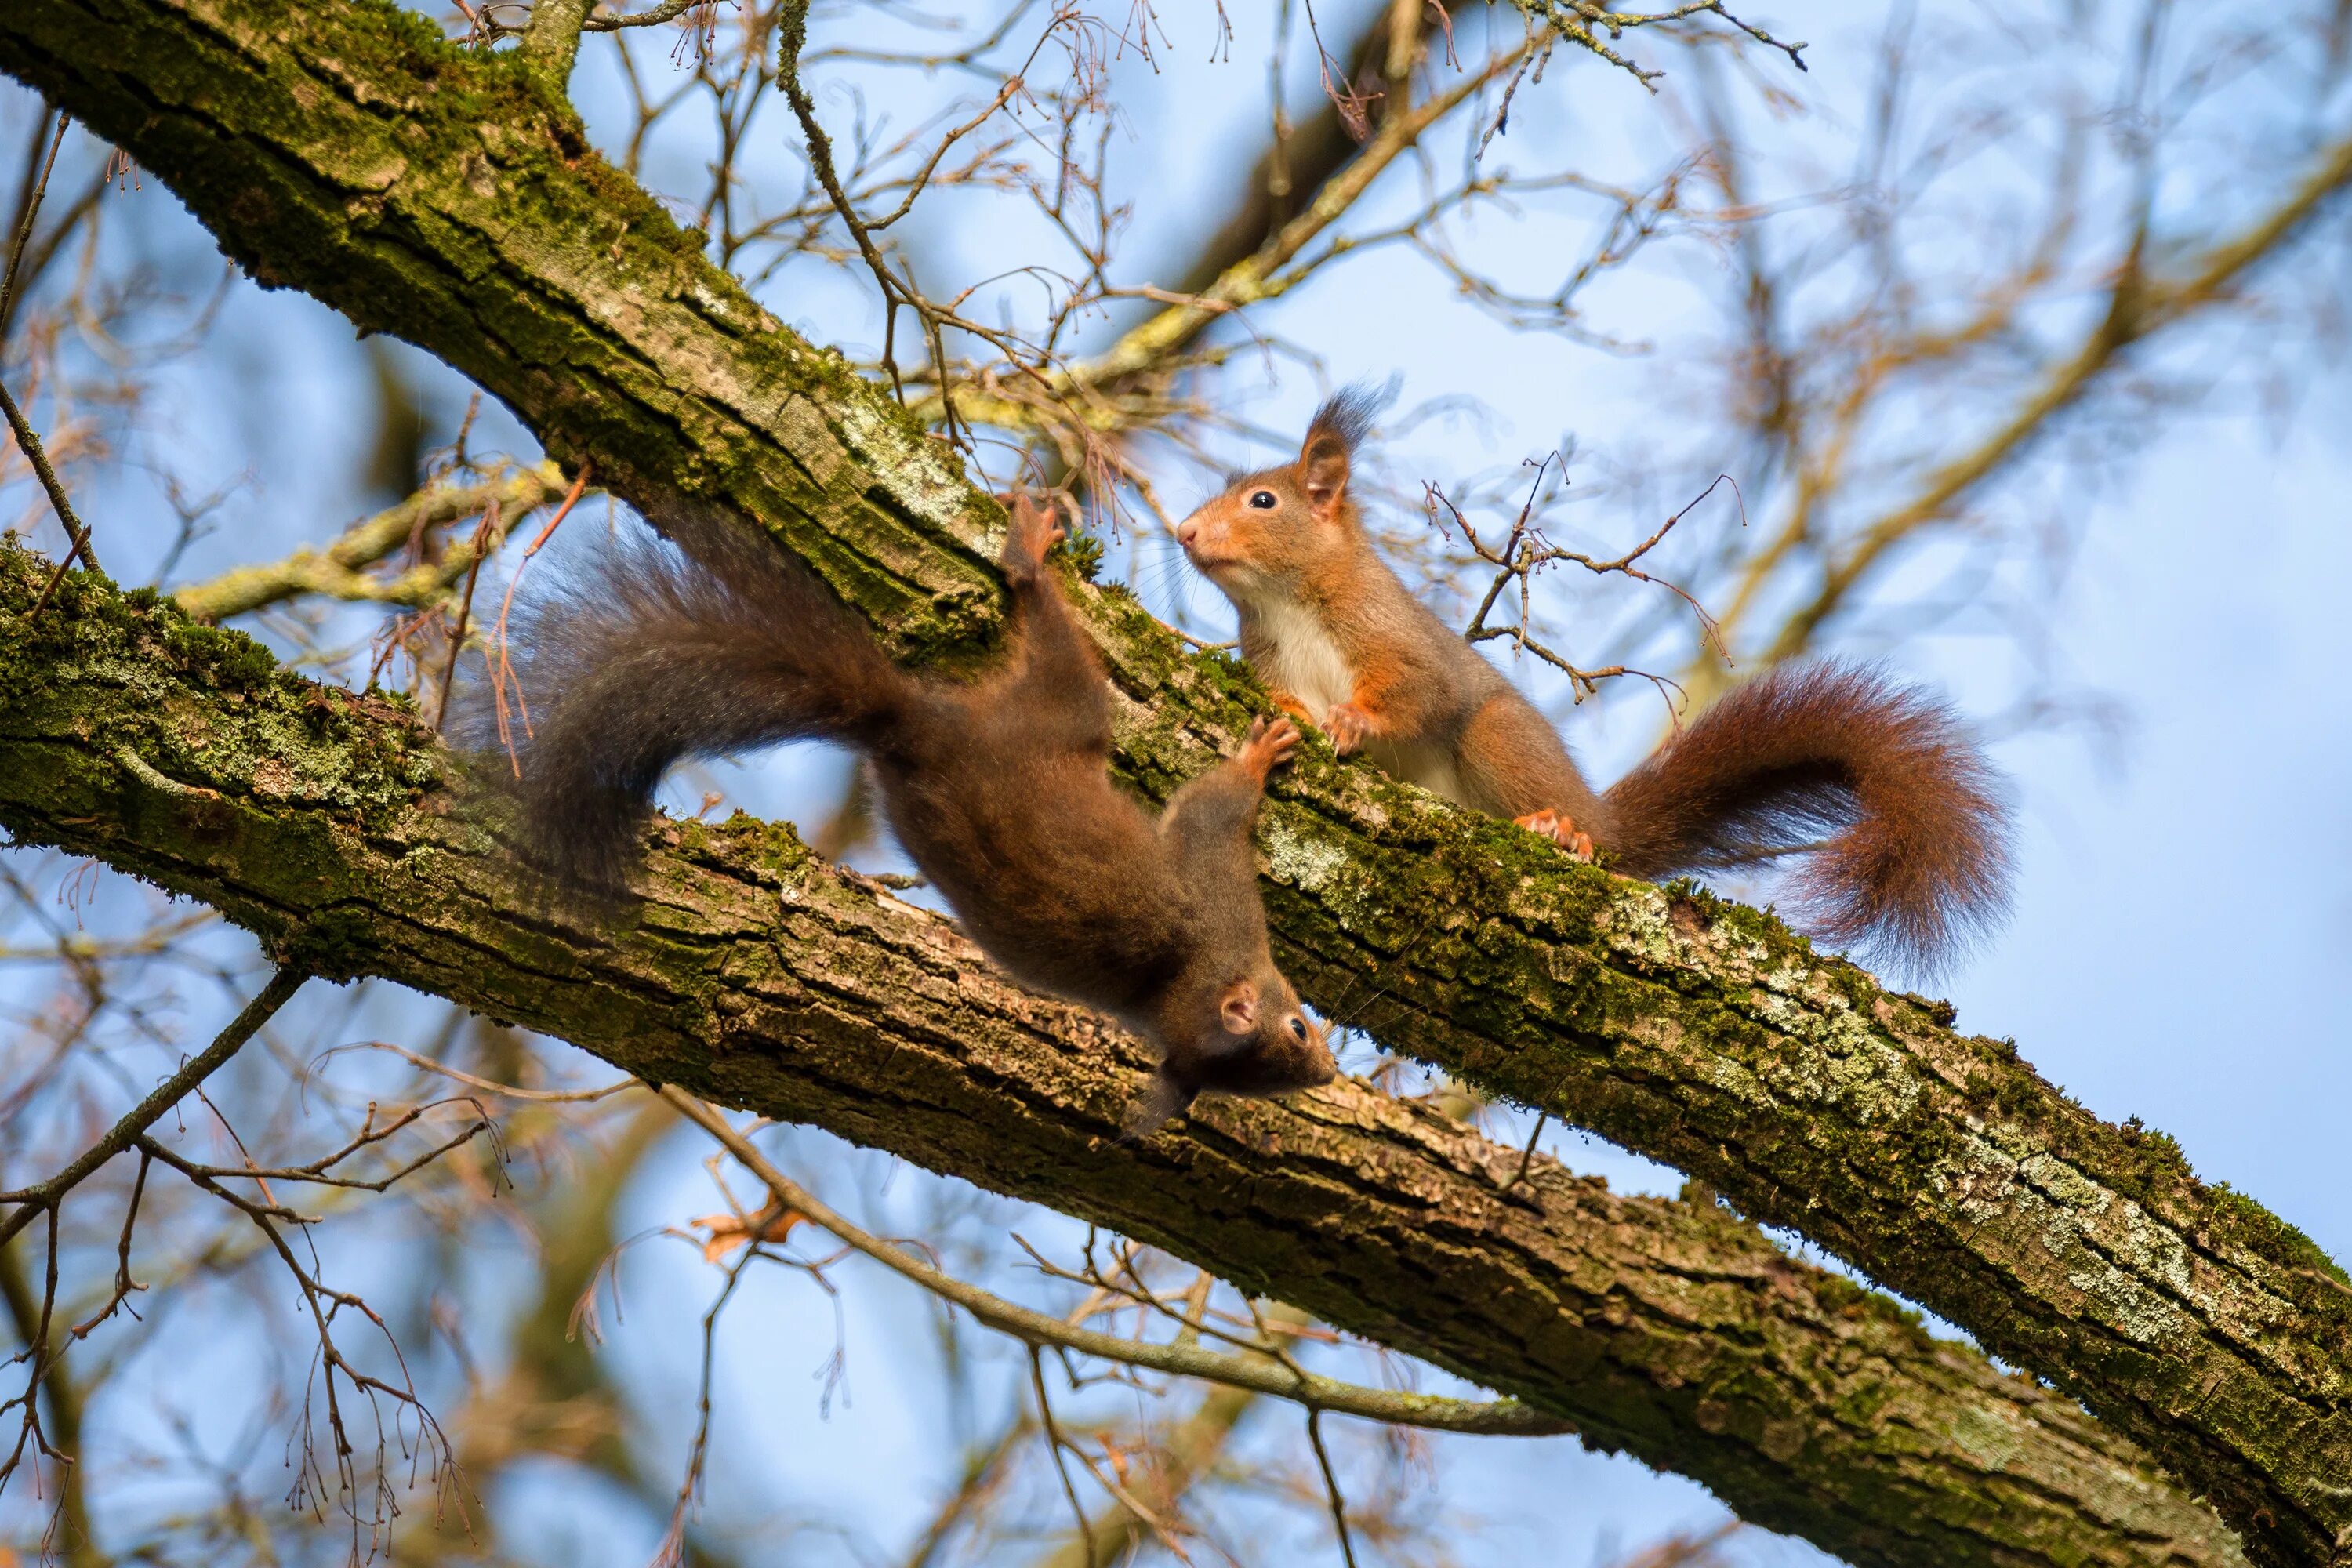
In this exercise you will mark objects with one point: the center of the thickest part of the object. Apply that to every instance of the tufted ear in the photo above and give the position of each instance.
(1323, 475)
(1326, 453)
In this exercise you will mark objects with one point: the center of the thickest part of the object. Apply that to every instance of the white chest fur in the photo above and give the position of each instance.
(1293, 653)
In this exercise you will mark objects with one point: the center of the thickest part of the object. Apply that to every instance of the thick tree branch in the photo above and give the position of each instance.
(550, 39)
(452, 199)
(756, 976)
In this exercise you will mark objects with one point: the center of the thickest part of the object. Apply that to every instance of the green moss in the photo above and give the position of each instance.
(2250, 1222)
(1084, 554)
(773, 848)
(233, 659)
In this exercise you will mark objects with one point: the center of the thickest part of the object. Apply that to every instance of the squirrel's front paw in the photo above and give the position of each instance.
(1347, 724)
(1272, 742)
(1032, 532)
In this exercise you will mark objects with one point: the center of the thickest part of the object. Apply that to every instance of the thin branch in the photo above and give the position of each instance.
(1056, 1442)
(32, 208)
(668, 11)
(1036, 1328)
(2137, 308)
(33, 1200)
(336, 572)
(1575, 20)
(1331, 1487)
(28, 439)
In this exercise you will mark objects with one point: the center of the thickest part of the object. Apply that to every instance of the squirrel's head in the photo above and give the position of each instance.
(1268, 531)
(1245, 1036)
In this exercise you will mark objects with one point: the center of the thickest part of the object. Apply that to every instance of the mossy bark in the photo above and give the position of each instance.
(752, 973)
(450, 197)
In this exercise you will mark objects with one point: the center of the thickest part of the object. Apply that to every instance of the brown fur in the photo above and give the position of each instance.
(1913, 851)
(998, 790)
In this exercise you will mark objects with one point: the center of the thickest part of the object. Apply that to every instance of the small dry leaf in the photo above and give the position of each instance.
(723, 1233)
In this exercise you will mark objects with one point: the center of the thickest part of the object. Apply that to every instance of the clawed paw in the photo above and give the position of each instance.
(1272, 742)
(1347, 724)
(1551, 825)
(1032, 532)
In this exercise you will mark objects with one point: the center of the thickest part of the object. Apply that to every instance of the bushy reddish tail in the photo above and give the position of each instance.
(647, 654)
(1906, 823)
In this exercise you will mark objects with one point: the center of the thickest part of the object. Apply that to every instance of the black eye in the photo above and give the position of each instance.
(1264, 500)
(1298, 1027)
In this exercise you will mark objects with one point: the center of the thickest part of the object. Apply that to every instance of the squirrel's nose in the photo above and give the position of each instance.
(1188, 531)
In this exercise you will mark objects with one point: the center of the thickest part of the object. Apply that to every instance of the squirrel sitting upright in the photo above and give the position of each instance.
(997, 789)
(1916, 851)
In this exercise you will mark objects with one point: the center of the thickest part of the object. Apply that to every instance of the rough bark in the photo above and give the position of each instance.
(451, 198)
(753, 974)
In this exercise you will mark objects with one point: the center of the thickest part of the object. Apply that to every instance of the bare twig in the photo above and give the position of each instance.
(336, 570)
(32, 208)
(1037, 1329)
(501, 669)
(47, 1195)
(1575, 20)
(1057, 1444)
(1527, 551)
(1331, 1487)
(28, 440)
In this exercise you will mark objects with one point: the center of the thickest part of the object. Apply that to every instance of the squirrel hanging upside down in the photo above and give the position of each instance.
(997, 789)
(1916, 853)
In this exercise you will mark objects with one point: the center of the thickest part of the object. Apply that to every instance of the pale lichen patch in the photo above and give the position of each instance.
(1640, 923)
(920, 483)
(1310, 865)
(1987, 1438)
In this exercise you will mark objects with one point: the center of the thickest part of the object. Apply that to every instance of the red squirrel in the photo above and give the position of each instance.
(1916, 854)
(997, 789)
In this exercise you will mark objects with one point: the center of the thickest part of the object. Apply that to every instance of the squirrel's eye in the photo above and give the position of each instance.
(1264, 500)
(1298, 1027)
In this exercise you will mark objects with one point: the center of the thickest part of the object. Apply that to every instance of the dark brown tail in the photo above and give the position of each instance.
(1905, 822)
(651, 653)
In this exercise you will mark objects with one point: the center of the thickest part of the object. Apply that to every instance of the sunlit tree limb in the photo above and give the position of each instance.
(756, 976)
(338, 572)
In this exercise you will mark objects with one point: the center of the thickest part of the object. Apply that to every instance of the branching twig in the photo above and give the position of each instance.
(1331, 1487)
(1039, 1329)
(1525, 552)
(47, 1195)
(336, 570)
(28, 440)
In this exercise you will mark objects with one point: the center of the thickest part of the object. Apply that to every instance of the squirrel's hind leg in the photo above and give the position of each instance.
(1512, 763)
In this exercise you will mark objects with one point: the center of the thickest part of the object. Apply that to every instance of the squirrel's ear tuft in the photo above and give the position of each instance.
(1345, 418)
(1338, 428)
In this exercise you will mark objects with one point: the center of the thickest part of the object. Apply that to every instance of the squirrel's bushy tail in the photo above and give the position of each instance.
(650, 653)
(1905, 822)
